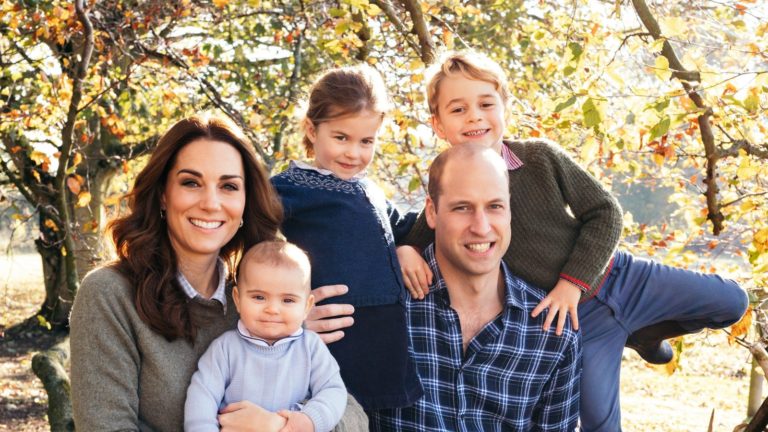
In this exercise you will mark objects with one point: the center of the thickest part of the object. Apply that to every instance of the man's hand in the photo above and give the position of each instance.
(416, 273)
(321, 318)
(562, 300)
(245, 416)
(296, 421)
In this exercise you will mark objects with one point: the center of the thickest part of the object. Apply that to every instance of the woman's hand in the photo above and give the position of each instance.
(417, 275)
(328, 320)
(245, 416)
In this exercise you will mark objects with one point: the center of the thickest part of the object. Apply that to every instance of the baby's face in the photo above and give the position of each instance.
(273, 301)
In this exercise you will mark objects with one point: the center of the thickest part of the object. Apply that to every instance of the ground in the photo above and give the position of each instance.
(712, 375)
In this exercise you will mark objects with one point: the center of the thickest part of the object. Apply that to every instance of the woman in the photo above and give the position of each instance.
(139, 325)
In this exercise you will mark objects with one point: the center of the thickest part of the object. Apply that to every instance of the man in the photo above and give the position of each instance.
(485, 363)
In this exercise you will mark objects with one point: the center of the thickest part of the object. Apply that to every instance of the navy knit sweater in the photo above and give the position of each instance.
(349, 230)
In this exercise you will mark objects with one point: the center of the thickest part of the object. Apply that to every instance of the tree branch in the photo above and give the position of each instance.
(394, 18)
(67, 140)
(421, 29)
(714, 212)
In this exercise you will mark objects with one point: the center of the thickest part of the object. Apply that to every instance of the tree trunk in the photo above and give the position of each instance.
(50, 367)
(755, 389)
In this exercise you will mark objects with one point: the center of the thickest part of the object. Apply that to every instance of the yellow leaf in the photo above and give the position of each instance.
(220, 3)
(661, 68)
(674, 26)
(39, 157)
(741, 327)
(83, 199)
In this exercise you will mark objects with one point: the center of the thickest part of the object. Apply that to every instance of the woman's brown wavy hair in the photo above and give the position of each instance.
(144, 251)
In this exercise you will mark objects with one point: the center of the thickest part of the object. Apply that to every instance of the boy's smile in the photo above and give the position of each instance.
(469, 111)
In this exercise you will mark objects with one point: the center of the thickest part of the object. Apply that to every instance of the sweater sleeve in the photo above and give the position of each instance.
(420, 235)
(401, 223)
(599, 214)
(105, 357)
(328, 394)
(206, 389)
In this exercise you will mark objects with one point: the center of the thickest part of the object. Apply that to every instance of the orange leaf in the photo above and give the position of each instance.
(741, 327)
(49, 224)
(73, 184)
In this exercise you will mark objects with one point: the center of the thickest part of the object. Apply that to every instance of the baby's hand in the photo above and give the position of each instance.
(563, 299)
(416, 273)
(296, 421)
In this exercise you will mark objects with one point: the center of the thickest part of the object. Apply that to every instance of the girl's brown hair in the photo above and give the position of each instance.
(345, 91)
(144, 251)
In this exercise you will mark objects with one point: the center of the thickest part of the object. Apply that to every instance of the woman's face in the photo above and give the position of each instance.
(204, 198)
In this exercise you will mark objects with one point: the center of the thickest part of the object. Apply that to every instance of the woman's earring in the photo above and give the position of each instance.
(241, 223)
(162, 213)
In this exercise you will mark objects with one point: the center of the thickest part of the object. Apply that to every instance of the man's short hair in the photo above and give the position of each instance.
(464, 152)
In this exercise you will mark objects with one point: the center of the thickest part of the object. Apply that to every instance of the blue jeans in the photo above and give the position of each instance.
(638, 293)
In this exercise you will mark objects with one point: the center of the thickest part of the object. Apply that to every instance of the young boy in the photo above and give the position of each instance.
(269, 359)
(565, 229)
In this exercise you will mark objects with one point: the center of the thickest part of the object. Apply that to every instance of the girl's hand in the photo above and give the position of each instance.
(296, 422)
(328, 320)
(245, 416)
(416, 273)
(562, 300)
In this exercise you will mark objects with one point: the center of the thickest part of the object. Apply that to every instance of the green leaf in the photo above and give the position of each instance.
(576, 49)
(660, 128)
(563, 105)
(590, 113)
(414, 183)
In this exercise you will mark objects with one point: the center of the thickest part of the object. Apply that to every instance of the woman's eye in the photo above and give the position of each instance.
(231, 187)
(189, 183)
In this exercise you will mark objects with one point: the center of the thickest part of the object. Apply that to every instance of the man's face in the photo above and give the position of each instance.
(471, 219)
(469, 111)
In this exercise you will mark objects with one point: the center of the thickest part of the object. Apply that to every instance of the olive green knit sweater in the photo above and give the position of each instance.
(565, 224)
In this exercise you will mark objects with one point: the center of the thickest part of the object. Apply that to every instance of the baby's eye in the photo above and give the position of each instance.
(288, 300)
(457, 110)
(258, 297)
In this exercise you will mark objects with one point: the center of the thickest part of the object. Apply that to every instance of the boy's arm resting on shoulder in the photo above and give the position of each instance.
(105, 357)
(328, 395)
(600, 215)
(558, 407)
(420, 235)
(206, 389)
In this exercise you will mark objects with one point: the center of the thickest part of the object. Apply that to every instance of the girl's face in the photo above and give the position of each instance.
(204, 198)
(345, 145)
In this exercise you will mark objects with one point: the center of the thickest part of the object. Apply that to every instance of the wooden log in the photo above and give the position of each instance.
(50, 367)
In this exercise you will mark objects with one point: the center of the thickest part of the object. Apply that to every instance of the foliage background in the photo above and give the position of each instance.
(663, 101)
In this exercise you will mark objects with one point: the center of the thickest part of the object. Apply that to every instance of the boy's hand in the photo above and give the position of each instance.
(246, 416)
(296, 421)
(416, 273)
(318, 320)
(563, 299)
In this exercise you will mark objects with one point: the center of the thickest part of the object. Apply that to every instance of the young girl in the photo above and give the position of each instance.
(348, 228)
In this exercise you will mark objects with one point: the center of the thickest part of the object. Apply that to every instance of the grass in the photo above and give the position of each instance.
(711, 376)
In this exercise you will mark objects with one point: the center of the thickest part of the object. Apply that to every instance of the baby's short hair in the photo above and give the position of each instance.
(278, 253)
(470, 64)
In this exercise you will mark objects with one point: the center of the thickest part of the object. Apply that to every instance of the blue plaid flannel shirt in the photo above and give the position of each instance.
(513, 377)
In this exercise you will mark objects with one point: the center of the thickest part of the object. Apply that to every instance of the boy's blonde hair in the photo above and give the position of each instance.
(470, 64)
(277, 253)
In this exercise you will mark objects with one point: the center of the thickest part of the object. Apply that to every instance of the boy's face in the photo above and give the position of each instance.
(273, 301)
(469, 111)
